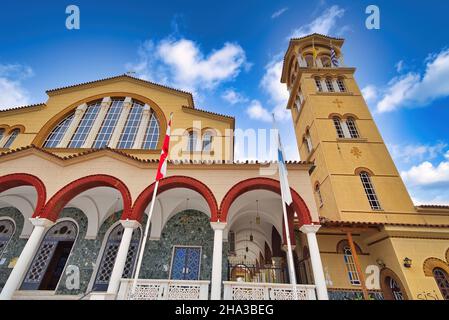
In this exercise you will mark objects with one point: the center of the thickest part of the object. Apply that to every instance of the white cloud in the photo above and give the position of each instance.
(278, 13)
(12, 93)
(276, 91)
(400, 66)
(182, 64)
(233, 97)
(415, 89)
(258, 112)
(323, 24)
(369, 93)
(426, 174)
(417, 152)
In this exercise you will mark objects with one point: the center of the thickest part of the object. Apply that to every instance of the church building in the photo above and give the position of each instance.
(77, 178)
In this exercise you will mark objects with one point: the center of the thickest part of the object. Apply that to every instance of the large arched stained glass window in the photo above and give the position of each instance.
(110, 253)
(100, 126)
(132, 125)
(109, 123)
(85, 125)
(56, 135)
(152, 133)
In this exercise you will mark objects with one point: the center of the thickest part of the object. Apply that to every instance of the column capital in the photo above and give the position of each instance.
(81, 108)
(41, 222)
(106, 102)
(310, 228)
(218, 225)
(146, 109)
(128, 102)
(130, 223)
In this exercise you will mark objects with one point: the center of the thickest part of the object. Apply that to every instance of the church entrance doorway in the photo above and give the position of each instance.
(186, 262)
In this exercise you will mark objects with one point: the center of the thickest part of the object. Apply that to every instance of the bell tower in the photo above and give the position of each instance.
(354, 177)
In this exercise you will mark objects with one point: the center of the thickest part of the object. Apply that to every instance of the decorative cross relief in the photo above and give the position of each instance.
(338, 103)
(356, 152)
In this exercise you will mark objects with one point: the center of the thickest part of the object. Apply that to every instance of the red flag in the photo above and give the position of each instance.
(162, 169)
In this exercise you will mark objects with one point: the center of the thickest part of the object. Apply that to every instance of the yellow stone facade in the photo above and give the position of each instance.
(396, 231)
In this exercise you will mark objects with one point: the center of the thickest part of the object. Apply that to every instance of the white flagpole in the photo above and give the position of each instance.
(145, 237)
(291, 264)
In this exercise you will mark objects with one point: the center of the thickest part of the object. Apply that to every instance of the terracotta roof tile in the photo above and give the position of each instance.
(328, 222)
(434, 206)
(118, 77)
(24, 107)
(127, 155)
(212, 113)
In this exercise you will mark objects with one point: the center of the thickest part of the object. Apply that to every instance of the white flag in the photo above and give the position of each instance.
(285, 188)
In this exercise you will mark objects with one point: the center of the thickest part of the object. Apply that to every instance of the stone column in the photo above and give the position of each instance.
(105, 104)
(26, 257)
(217, 258)
(140, 135)
(315, 259)
(277, 265)
(120, 260)
(127, 104)
(79, 113)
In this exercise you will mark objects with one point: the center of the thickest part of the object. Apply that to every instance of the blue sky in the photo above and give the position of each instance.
(228, 54)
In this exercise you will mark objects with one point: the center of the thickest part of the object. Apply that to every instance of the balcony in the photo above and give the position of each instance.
(234, 290)
(149, 289)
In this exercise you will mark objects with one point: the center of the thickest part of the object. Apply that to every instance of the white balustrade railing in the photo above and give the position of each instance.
(267, 291)
(147, 289)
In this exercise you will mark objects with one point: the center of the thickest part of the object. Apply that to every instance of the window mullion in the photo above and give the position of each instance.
(144, 122)
(127, 104)
(105, 104)
(79, 113)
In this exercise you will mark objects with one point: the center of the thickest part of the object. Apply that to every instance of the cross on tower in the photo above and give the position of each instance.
(338, 103)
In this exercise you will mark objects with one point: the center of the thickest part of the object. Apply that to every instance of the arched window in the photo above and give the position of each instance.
(152, 134)
(350, 122)
(109, 255)
(50, 260)
(308, 141)
(58, 132)
(329, 85)
(394, 288)
(7, 229)
(326, 61)
(110, 121)
(338, 127)
(85, 125)
(318, 84)
(309, 60)
(131, 126)
(353, 275)
(11, 138)
(2, 133)
(369, 191)
(442, 280)
(207, 141)
(192, 141)
(318, 195)
(341, 85)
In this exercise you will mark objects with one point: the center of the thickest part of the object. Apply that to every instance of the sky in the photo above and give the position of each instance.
(229, 54)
